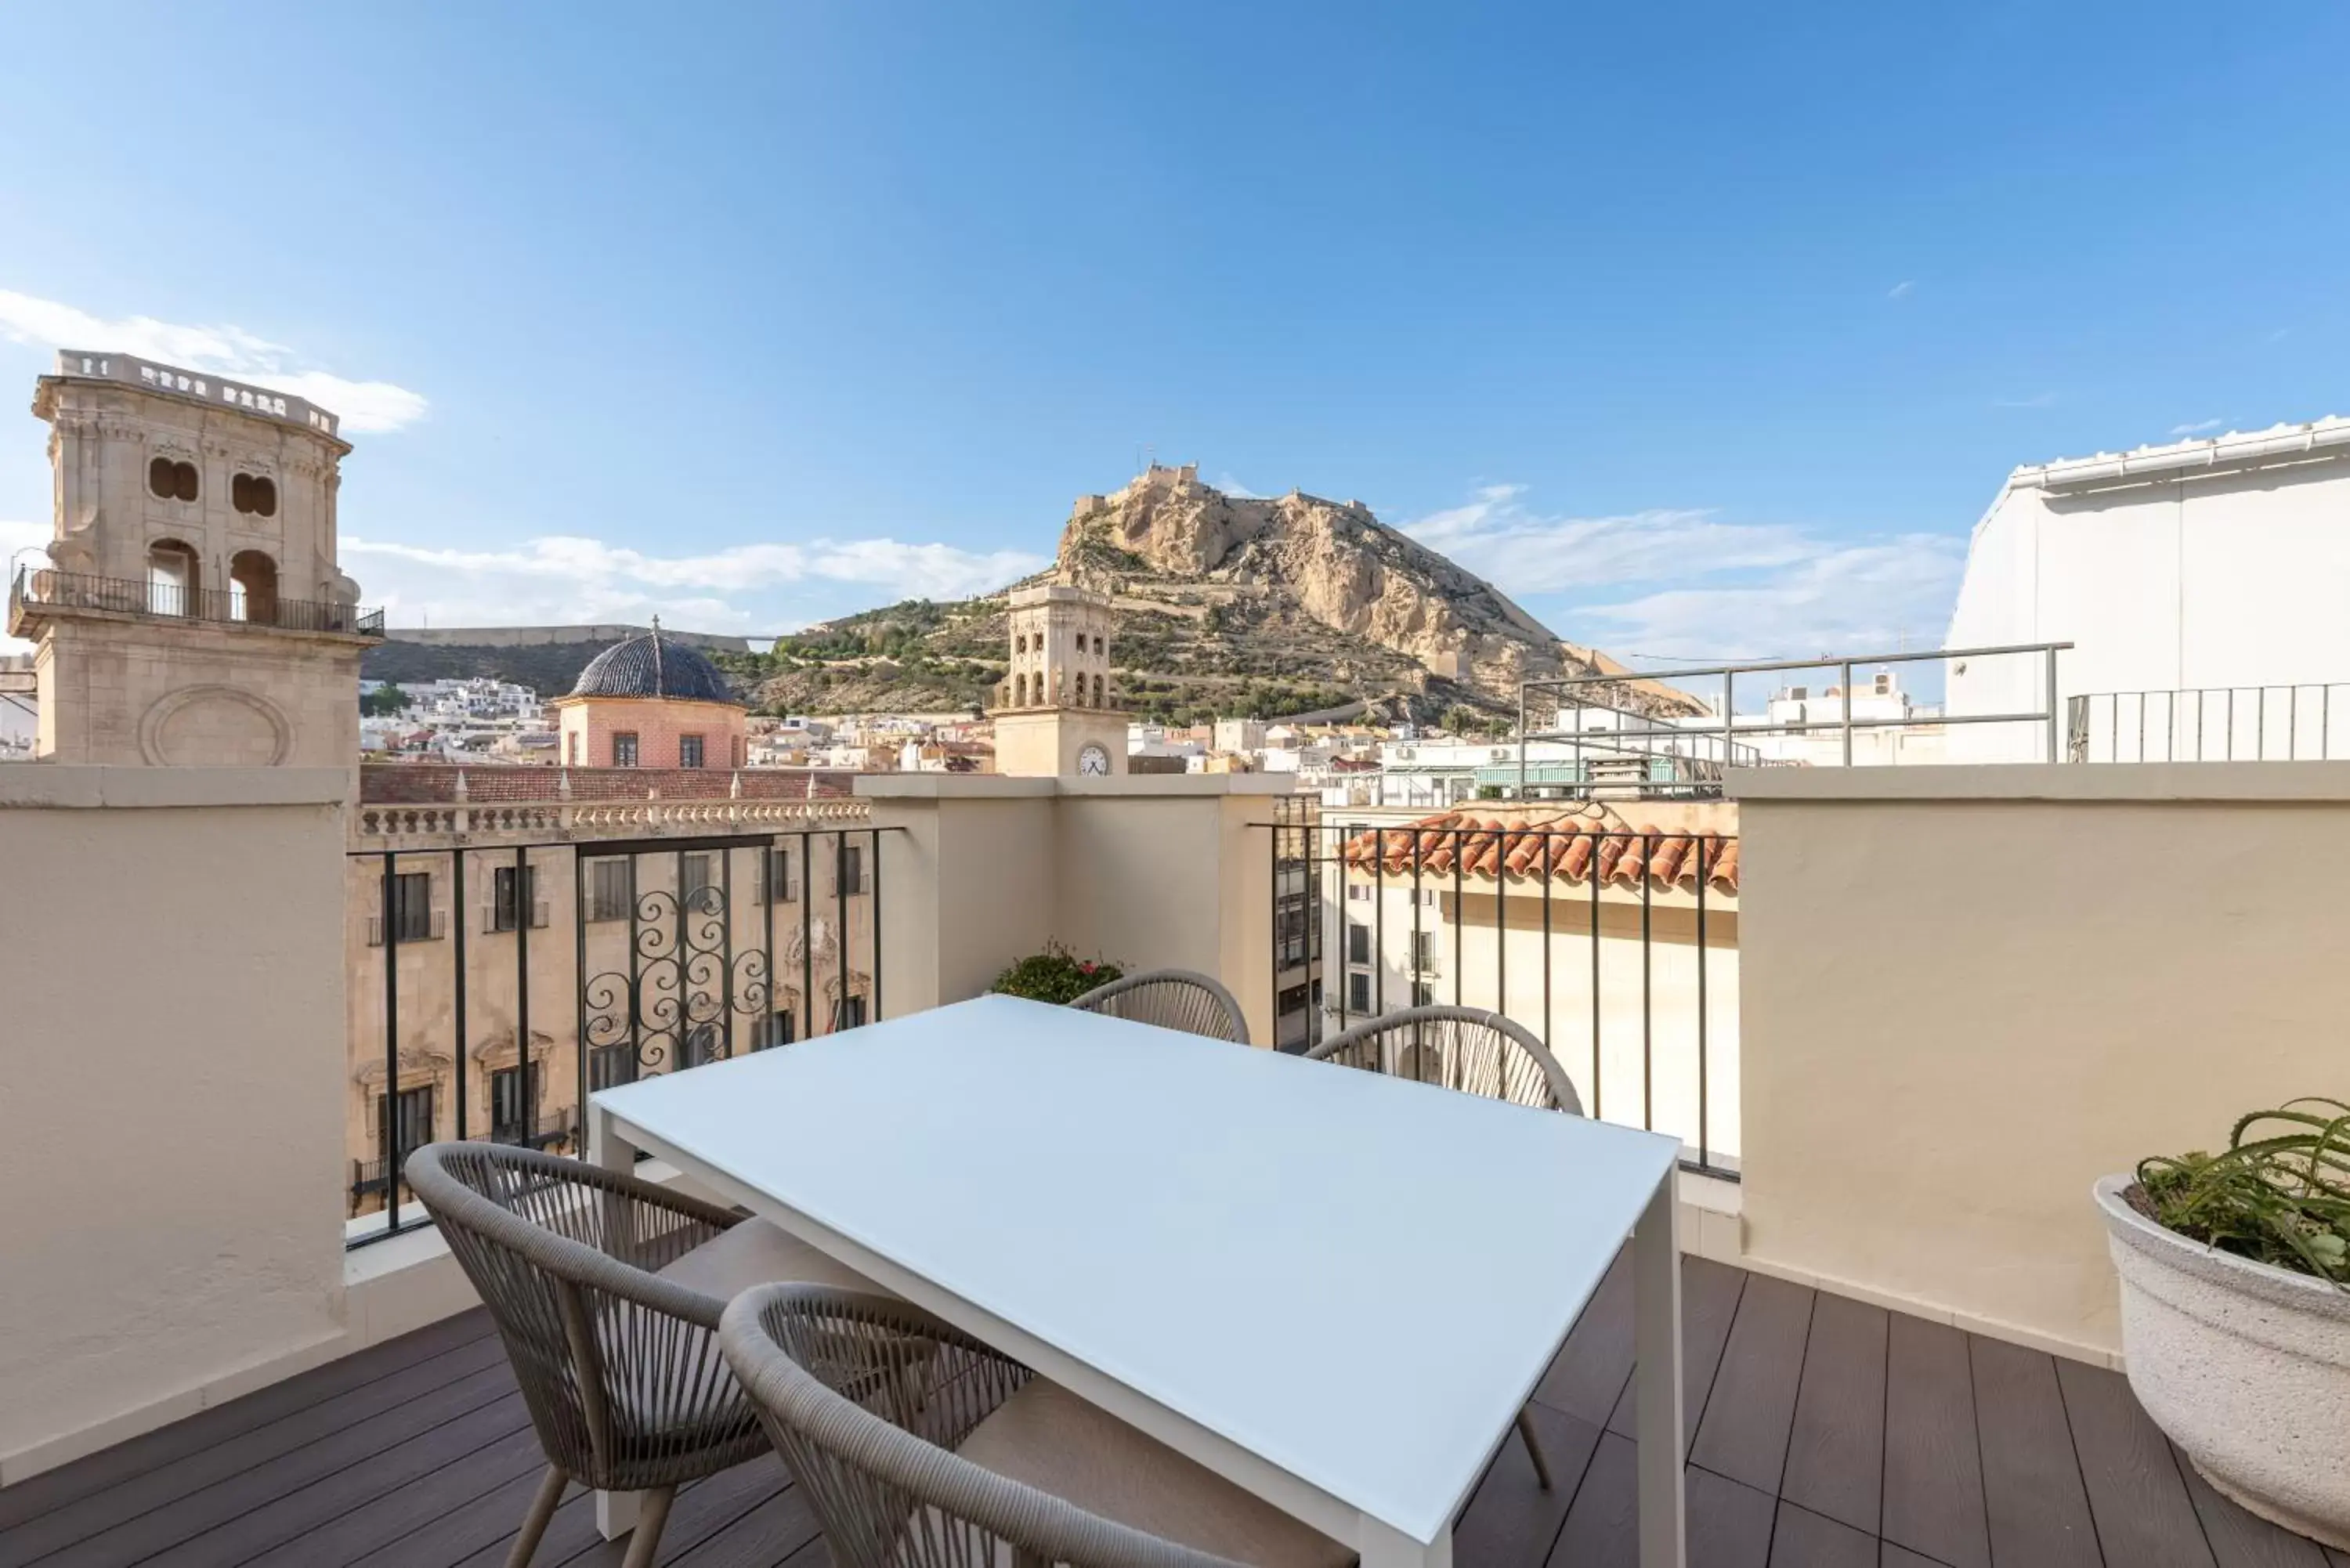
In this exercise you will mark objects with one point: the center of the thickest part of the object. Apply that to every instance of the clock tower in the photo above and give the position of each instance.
(1052, 712)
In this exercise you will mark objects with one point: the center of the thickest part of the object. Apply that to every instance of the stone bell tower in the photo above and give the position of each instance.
(1053, 713)
(190, 612)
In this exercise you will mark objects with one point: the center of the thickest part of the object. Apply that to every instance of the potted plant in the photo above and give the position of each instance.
(2235, 1277)
(1056, 974)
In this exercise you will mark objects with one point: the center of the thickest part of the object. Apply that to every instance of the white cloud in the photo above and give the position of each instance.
(2197, 428)
(562, 579)
(1901, 290)
(1715, 589)
(363, 406)
(1868, 598)
(1524, 552)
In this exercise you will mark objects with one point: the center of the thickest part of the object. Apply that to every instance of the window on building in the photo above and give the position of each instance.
(1358, 892)
(1359, 993)
(624, 748)
(848, 1012)
(170, 578)
(403, 1124)
(1293, 1000)
(1098, 689)
(689, 751)
(610, 1065)
(571, 748)
(775, 884)
(1359, 942)
(252, 588)
(1423, 992)
(506, 910)
(513, 1098)
(851, 870)
(704, 1044)
(608, 894)
(411, 907)
(254, 494)
(171, 480)
(1423, 952)
(696, 873)
(738, 750)
(779, 1028)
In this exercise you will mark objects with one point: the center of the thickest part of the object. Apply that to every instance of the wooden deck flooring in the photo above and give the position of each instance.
(1822, 1432)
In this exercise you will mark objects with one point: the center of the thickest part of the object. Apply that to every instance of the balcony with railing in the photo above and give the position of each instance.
(37, 594)
(1897, 1322)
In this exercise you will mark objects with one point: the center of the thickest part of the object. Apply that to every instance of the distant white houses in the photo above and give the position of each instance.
(2201, 584)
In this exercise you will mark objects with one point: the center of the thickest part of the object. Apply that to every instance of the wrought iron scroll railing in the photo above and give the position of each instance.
(639, 957)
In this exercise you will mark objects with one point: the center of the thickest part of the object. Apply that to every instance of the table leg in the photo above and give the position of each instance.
(616, 1512)
(1383, 1547)
(1656, 1351)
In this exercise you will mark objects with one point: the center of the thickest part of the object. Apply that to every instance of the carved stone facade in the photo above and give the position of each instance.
(192, 611)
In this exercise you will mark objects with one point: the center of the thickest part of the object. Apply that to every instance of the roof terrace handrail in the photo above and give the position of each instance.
(48, 589)
(1826, 661)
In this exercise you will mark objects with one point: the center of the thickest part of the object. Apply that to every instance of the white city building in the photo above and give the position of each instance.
(2201, 583)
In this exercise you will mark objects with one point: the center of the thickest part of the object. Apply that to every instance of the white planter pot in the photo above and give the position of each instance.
(2247, 1367)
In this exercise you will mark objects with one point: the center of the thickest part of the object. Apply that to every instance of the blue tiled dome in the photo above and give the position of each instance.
(653, 665)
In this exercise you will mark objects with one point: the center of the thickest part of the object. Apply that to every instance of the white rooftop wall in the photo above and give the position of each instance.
(2232, 572)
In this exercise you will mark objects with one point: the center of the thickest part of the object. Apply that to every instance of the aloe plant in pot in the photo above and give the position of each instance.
(2235, 1276)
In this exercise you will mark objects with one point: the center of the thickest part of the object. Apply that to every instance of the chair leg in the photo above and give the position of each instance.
(645, 1540)
(1533, 1449)
(534, 1523)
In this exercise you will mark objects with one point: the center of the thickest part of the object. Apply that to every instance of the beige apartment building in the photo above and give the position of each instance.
(631, 921)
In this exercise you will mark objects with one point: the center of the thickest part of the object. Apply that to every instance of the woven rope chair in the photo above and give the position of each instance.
(1457, 1048)
(865, 1397)
(1474, 1052)
(619, 1368)
(1172, 999)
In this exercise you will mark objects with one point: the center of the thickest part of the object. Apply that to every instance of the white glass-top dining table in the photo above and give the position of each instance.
(1334, 1289)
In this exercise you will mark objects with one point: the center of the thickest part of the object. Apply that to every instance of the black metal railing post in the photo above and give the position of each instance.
(388, 1107)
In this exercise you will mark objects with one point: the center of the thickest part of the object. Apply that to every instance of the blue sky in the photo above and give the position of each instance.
(1704, 331)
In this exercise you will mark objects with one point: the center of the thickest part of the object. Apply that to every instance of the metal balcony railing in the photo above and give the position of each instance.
(154, 600)
(640, 956)
(2208, 725)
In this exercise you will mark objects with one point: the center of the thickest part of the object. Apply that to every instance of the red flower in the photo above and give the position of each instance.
(1084, 969)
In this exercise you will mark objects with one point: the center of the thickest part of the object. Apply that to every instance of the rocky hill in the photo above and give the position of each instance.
(1227, 605)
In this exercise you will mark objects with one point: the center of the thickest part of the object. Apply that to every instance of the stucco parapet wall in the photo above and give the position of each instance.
(2116, 783)
(1132, 786)
(67, 786)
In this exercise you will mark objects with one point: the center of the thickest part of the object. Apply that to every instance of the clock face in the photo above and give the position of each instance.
(1093, 760)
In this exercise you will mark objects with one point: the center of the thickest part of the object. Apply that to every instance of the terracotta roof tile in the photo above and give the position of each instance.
(1564, 844)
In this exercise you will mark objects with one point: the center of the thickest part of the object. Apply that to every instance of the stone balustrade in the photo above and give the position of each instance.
(390, 826)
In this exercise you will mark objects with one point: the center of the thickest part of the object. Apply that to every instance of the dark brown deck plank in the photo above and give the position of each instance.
(1729, 1523)
(1744, 1433)
(2136, 1495)
(1591, 1368)
(397, 1514)
(1802, 1539)
(702, 1508)
(378, 1413)
(95, 1472)
(1836, 1453)
(1510, 1521)
(1710, 1293)
(334, 1462)
(1892, 1556)
(1933, 1470)
(2241, 1539)
(2032, 1497)
(777, 1530)
(272, 1517)
(1603, 1524)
